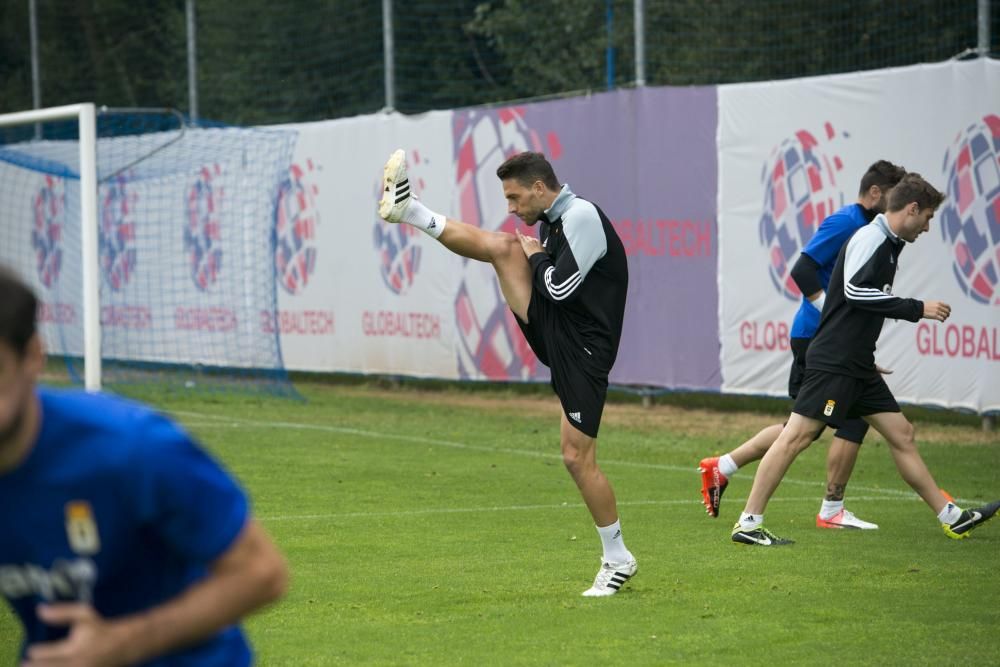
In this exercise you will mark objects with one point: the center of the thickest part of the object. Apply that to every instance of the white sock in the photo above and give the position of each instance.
(423, 218)
(614, 545)
(830, 508)
(751, 521)
(727, 466)
(950, 514)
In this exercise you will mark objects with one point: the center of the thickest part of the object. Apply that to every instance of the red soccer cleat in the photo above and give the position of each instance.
(713, 485)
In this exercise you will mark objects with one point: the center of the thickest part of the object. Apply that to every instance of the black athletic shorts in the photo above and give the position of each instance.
(835, 398)
(581, 388)
(853, 430)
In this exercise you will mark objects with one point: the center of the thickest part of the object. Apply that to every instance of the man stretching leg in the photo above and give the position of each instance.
(567, 289)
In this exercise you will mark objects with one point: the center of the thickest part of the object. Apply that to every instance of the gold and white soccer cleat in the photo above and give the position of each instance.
(395, 188)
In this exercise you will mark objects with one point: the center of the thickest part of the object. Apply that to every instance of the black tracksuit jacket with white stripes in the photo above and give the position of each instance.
(858, 300)
(585, 273)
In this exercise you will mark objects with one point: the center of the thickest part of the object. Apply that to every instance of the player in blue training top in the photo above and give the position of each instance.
(812, 275)
(121, 541)
(842, 382)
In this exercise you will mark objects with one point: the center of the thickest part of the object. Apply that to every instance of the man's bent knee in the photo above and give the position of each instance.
(797, 445)
(904, 437)
(799, 432)
(795, 441)
(577, 457)
(571, 459)
(503, 247)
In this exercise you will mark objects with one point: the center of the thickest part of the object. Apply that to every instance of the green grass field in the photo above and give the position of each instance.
(440, 528)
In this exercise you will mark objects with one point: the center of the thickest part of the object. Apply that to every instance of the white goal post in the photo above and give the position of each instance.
(154, 244)
(87, 117)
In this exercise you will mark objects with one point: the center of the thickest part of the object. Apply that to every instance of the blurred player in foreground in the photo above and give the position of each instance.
(121, 541)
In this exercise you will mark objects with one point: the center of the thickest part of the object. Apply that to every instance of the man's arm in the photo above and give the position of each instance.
(248, 575)
(822, 250)
(585, 244)
(864, 255)
(805, 273)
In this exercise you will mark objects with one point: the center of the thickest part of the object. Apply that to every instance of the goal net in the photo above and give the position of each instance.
(181, 271)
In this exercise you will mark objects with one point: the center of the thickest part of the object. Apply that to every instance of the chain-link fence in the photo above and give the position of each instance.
(272, 61)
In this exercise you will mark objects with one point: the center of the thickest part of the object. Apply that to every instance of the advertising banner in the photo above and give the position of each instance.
(655, 180)
(791, 152)
(356, 294)
(714, 191)
(370, 297)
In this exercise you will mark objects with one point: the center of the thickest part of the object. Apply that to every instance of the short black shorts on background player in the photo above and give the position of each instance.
(798, 371)
(853, 430)
(581, 391)
(834, 398)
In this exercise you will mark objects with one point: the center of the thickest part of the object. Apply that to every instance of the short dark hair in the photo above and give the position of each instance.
(18, 308)
(528, 167)
(883, 174)
(913, 188)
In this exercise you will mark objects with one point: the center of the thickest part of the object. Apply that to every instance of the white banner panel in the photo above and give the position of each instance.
(793, 151)
(183, 220)
(356, 294)
(40, 240)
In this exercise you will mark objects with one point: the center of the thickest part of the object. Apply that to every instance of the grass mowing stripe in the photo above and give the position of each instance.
(485, 566)
(529, 508)
(219, 421)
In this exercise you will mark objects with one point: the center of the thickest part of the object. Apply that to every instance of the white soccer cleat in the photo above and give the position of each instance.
(395, 188)
(611, 577)
(845, 519)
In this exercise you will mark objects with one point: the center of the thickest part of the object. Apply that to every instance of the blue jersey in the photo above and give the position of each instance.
(115, 506)
(835, 230)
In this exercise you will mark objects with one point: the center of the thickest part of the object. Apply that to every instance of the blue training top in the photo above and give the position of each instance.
(835, 230)
(117, 507)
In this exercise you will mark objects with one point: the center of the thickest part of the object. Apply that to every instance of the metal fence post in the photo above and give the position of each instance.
(36, 76)
(983, 23)
(610, 50)
(388, 56)
(192, 53)
(640, 43)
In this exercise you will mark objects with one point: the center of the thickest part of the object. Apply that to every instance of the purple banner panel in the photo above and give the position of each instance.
(489, 344)
(648, 158)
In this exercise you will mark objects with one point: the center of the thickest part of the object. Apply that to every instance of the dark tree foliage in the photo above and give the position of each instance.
(276, 61)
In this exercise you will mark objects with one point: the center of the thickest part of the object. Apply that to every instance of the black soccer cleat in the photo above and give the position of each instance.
(759, 536)
(970, 520)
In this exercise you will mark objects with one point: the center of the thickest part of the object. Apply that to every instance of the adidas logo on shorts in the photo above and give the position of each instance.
(575, 416)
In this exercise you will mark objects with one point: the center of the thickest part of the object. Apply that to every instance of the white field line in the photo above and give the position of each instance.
(216, 421)
(526, 508)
